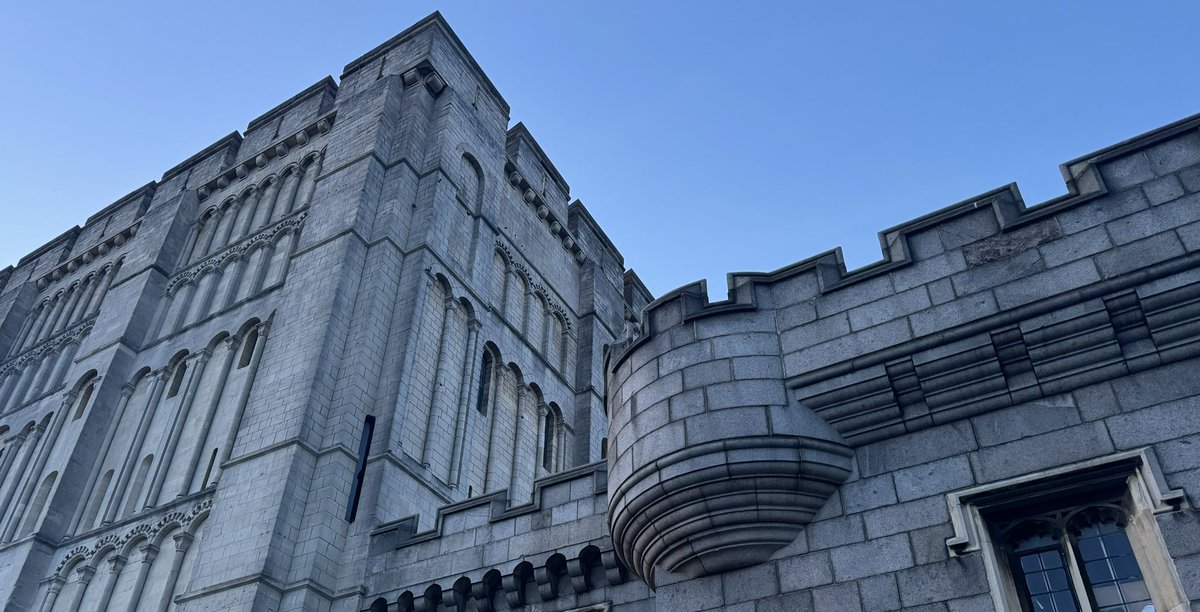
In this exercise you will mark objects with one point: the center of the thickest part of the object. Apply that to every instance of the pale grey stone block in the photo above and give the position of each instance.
(805, 571)
(968, 228)
(954, 313)
(1076, 246)
(928, 270)
(954, 578)
(1033, 418)
(877, 556)
(1174, 154)
(916, 448)
(835, 532)
(886, 309)
(1035, 453)
(906, 516)
(1163, 190)
(790, 602)
(1156, 423)
(1127, 171)
(1138, 254)
(750, 584)
(933, 478)
(879, 592)
(868, 493)
(837, 598)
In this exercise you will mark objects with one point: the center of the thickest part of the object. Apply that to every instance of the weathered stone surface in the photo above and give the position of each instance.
(791, 448)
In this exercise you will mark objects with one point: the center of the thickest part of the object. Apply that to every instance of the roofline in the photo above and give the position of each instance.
(326, 83)
(434, 19)
(521, 131)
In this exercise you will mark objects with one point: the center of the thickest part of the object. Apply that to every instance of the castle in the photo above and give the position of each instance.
(369, 355)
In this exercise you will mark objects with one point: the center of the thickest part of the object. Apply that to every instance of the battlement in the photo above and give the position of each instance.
(1085, 180)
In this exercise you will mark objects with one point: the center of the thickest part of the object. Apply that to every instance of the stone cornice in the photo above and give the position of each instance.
(556, 227)
(260, 159)
(1044, 348)
(72, 265)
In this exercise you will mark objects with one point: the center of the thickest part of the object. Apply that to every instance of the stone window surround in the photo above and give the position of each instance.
(1147, 496)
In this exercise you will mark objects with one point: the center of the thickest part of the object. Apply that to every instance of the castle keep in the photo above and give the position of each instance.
(370, 355)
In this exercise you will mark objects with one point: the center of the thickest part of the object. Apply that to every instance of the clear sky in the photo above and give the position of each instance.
(706, 137)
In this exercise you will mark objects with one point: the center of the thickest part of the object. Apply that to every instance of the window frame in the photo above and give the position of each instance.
(1133, 477)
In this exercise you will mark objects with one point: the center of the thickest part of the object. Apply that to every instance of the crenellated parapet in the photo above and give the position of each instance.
(482, 553)
(980, 306)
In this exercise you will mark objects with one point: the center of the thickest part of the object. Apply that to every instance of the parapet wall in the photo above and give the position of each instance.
(980, 306)
(554, 552)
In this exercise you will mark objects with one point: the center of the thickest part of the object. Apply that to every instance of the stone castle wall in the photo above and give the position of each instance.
(376, 300)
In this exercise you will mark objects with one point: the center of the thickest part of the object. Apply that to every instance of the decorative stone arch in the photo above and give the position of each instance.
(37, 504)
(83, 391)
(140, 536)
(472, 181)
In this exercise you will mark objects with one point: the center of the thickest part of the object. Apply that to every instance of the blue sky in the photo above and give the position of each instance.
(706, 137)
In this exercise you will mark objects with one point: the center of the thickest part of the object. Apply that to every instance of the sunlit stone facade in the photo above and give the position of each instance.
(369, 354)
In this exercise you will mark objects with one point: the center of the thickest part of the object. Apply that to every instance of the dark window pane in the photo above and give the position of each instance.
(1125, 567)
(1090, 549)
(1117, 544)
(1037, 583)
(1065, 602)
(1043, 603)
(1051, 558)
(1057, 579)
(1098, 571)
(1029, 563)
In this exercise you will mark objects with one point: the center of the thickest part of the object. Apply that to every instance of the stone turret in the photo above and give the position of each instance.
(711, 468)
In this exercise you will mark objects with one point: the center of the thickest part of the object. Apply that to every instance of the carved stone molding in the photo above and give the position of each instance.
(260, 160)
(555, 226)
(247, 245)
(534, 286)
(148, 529)
(100, 250)
(75, 333)
(511, 586)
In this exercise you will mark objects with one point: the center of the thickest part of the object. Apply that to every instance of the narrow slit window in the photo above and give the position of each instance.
(83, 400)
(177, 380)
(548, 444)
(248, 348)
(485, 383)
(360, 469)
(212, 460)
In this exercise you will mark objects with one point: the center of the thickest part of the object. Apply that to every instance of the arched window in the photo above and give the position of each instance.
(84, 398)
(1065, 559)
(34, 513)
(135, 491)
(248, 347)
(93, 505)
(548, 430)
(485, 383)
(177, 379)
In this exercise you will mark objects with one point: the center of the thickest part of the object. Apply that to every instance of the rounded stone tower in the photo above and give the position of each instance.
(711, 467)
